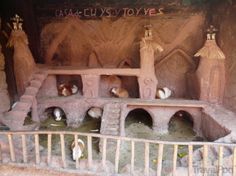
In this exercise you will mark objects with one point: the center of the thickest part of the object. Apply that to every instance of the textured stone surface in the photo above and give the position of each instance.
(24, 65)
(5, 101)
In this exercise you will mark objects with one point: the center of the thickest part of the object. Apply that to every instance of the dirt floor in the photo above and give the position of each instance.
(10, 170)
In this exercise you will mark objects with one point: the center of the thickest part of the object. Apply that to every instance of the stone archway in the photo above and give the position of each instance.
(136, 120)
(181, 122)
(50, 119)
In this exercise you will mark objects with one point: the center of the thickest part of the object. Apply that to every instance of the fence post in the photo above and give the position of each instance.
(104, 153)
(63, 154)
(117, 156)
(234, 162)
(12, 151)
(76, 146)
(205, 158)
(146, 155)
(190, 160)
(132, 156)
(159, 159)
(220, 161)
(24, 148)
(175, 159)
(37, 153)
(89, 146)
(49, 149)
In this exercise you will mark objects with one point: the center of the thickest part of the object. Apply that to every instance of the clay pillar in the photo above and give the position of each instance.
(147, 79)
(35, 115)
(24, 64)
(5, 101)
(49, 87)
(90, 85)
(211, 70)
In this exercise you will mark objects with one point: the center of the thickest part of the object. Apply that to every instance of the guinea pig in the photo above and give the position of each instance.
(119, 92)
(77, 152)
(163, 93)
(67, 89)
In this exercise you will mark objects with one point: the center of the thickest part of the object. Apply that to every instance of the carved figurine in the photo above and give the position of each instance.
(17, 22)
(211, 33)
(148, 31)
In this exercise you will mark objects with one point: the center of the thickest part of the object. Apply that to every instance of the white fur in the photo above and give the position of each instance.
(74, 89)
(120, 92)
(57, 112)
(95, 112)
(164, 93)
(77, 152)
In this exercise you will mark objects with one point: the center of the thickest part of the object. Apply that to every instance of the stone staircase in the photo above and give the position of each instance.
(110, 124)
(15, 118)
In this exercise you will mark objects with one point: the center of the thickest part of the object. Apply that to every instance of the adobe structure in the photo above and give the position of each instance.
(183, 45)
(135, 52)
(37, 86)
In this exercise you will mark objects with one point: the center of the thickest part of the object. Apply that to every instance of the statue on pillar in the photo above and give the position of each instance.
(211, 69)
(147, 79)
(17, 22)
(24, 64)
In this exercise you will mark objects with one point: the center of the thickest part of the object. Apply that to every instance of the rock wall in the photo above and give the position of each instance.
(5, 101)
(225, 18)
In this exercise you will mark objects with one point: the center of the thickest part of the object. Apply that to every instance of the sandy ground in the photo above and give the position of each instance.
(10, 170)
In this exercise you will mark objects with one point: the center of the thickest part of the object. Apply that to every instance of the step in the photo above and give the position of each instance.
(35, 83)
(27, 98)
(114, 121)
(16, 115)
(39, 76)
(22, 106)
(31, 91)
(114, 111)
(113, 117)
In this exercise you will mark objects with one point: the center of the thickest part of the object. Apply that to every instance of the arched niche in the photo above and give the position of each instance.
(181, 121)
(139, 115)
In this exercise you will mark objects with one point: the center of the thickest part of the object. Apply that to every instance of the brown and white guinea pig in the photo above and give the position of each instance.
(67, 89)
(77, 152)
(119, 92)
(163, 93)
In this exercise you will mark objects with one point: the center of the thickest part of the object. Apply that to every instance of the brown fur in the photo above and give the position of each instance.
(120, 92)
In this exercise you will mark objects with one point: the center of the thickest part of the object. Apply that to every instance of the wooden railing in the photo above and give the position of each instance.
(104, 142)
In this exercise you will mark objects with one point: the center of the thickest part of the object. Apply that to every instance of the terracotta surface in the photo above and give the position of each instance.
(107, 44)
(211, 72)
(24, 64)
(5, 103)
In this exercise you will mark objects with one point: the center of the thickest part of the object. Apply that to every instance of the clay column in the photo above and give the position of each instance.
(147, 78)
(24, 64)
(211, 70)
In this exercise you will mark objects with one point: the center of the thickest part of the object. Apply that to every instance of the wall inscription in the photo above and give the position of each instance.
(108, 12)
